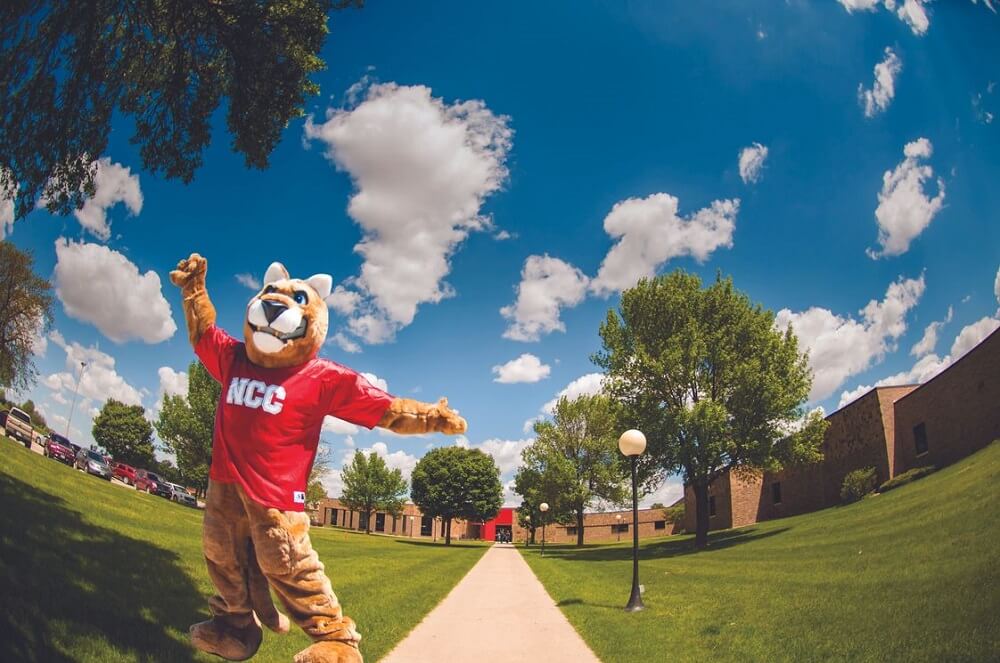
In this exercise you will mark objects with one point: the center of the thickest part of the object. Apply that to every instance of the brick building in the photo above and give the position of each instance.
(605, 526)
(892, 429)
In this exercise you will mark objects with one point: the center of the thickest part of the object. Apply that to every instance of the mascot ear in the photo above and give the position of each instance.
(322, 284)
(276, 272)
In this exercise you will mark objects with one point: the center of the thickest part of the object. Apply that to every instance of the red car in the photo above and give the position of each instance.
(152, 483)
(60, 448)
(124, 473)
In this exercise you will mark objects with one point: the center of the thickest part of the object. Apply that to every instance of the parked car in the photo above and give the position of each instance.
(92, 462)
(152, 483)
(59, 448)
(18, 425)
(122, 472)
(182, 496)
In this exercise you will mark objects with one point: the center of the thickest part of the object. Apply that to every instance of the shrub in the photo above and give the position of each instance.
(674, 514)
(907, 477)
(858, 483)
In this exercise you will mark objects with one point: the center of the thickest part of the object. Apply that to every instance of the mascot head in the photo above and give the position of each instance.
(286, 321)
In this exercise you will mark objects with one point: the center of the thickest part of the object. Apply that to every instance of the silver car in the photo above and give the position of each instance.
(92, 462)
(180, 495)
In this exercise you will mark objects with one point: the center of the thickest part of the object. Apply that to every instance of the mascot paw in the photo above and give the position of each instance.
(448, 421)
(235, 644)
(329, 651)
(190, 271)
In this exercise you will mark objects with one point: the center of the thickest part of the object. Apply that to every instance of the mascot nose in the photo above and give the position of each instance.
(272, 310)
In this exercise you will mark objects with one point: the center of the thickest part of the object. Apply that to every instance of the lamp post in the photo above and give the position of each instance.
(632, 443)
(527, 531)
(618, 517)
(411, 527)
(76, 394)
(543, 507)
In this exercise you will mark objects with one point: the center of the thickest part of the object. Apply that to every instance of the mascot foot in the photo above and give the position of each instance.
(217, 637)
(329, 651)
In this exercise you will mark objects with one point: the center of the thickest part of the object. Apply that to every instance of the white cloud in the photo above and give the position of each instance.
(860, 5)
(669, 492)
(752, 163)
(422, 169)
(904, 211)
(395, 460)
(98, 285)
(113, 184)
(506, 453)
(502, 235)
(651, 233)
(249, 280)
(928, 341)
(883, 90)
(526, 368)
(996, 290)
(100, 380)
(7, 211)
(547, 284)
(343, 301)
(842, 346)
(172, 383)
(585, 385)
(344, 342)
(912, 13)
(338, 426)
(972, 335)
(376, 381)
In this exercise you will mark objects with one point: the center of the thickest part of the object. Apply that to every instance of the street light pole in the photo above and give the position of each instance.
(619, 526)
(527, 531)
(543, 507)
(76, 394)
(411, 527)
(632, 443)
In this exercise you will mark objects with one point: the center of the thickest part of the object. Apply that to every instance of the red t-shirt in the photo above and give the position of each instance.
(268, 422)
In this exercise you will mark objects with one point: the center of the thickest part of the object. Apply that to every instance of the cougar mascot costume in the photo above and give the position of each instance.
(275, 393)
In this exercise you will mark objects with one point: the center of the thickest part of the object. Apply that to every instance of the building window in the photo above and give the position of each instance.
(711, 506)
(363, 521)
(426, 526)
(379, 522)
(920, 438)
(620, 529)
(571, 531)
(776, 492)
(660, 524)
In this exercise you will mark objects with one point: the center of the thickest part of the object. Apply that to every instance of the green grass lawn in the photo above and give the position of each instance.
(911, 575)
(91, 571)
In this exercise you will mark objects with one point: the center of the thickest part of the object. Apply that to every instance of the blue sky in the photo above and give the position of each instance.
(483, 155)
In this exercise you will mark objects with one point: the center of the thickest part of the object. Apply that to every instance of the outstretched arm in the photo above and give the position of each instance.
(198, 309)
(408, 417)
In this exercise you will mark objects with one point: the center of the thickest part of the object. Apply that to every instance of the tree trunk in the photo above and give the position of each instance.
(701, 515)
(368, 522)
(579, 527)
(447, 531)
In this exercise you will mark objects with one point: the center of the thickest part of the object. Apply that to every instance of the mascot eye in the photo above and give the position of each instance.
(300, 297)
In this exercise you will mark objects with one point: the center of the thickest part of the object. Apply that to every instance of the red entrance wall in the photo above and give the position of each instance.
(505, 517)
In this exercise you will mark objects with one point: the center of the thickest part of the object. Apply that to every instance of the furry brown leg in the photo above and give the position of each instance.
(218, 637)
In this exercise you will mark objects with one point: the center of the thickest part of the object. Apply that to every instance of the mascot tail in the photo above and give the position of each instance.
(260, 596)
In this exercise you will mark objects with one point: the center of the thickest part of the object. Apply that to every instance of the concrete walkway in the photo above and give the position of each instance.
(499, 612)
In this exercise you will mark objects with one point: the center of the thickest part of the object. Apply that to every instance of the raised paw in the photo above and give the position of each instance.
(190, 271)
(448, 421)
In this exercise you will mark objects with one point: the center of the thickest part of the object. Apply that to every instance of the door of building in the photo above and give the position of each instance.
(503, 534)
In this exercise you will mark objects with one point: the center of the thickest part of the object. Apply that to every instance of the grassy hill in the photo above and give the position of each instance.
(911, 575)
(91, 571)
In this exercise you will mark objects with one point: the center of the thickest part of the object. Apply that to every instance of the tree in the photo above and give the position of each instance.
(708, 378)
(370, 486)
(456, 482)
(123, 431)
(186, 424)
(315, 490)
(576, 457)
(69, 67)
(25, 314)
